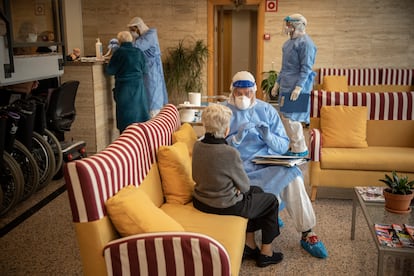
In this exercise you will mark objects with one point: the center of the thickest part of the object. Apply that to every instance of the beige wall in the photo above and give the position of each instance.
(73, 25)
(352, 33)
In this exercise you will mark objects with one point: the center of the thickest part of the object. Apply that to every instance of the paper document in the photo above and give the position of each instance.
(280, 160)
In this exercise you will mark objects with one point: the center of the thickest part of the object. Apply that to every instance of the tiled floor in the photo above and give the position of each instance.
(45, 243)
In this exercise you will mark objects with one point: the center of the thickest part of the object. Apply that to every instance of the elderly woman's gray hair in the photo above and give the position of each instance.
(216, 119)
(124, 36)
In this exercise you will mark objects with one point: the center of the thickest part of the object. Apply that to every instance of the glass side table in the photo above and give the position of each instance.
(374, 212)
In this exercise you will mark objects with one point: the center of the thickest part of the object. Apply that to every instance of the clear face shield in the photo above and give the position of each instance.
(134, 32)
(287, 28)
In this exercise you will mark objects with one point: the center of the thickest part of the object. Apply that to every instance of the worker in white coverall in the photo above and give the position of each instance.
(256, 129)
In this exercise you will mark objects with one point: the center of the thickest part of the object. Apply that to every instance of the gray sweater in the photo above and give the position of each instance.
(219, 174)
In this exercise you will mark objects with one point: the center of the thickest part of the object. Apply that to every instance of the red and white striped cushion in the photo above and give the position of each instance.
(92, 180)
(146, 254)
(381, 106)
(397, 76)
(356, 76)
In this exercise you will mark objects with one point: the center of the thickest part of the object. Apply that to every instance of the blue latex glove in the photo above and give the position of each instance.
(113, 43)
(241, 133)
(263, 130)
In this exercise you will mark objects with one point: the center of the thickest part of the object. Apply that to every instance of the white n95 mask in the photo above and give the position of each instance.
(243, 102)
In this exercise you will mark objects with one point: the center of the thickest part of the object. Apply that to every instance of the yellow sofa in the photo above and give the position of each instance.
(209, 243)
(389, 131)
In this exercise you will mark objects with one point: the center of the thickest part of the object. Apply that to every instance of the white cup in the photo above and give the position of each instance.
(187, 115)
(194, 98)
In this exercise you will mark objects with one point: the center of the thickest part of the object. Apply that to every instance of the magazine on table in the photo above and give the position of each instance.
(394, 235)
(371, 193)
(409, 229)
(280, 160)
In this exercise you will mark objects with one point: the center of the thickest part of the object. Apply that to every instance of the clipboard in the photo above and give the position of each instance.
(300, 105)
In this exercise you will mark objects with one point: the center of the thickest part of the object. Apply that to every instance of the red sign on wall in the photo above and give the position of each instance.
(271, 5)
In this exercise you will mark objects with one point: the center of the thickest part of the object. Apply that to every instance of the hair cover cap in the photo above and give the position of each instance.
(296, 17)
(139, 23)
(243, 79)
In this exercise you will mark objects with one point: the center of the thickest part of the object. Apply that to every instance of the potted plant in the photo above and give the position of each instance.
(183, 68)
(398, 193)
(268, 82)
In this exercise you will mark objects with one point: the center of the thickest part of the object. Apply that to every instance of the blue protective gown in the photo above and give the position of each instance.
(128, 66)
(154, 80)
(297, 62)
(272, 179)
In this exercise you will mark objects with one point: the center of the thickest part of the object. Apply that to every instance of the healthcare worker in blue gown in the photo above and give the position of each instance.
(295, 80)
(128, 65)
(146, 39)
(256, 129)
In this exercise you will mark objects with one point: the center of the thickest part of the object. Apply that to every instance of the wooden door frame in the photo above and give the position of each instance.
(210, 42)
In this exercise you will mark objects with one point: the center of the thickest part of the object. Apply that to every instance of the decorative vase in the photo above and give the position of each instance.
(396, 203)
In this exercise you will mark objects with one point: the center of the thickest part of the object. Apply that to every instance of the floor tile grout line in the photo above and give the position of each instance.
(31, 211)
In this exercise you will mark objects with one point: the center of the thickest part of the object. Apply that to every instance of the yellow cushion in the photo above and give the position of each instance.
(187, 135)
(335, 83)
(175, 169)
(344, 126)
(368, 159)
(132, 212)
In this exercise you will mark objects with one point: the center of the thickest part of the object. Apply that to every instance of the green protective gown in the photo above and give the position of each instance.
(128, 66)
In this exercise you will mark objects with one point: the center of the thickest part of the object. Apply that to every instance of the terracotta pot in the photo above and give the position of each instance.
(399, 204)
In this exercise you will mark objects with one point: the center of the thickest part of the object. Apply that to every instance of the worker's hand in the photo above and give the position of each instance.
(263, 130)
(295, 93)
(243, 130)
(275, 90)
(113, 43)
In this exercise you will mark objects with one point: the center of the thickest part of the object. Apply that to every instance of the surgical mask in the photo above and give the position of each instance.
(243, 102)
(289, 29)
(135, 35)
(53, 48)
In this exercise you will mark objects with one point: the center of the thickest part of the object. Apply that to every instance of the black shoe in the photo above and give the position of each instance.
(263, 260)
(249, 253)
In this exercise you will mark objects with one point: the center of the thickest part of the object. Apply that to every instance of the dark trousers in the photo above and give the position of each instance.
(260, 208)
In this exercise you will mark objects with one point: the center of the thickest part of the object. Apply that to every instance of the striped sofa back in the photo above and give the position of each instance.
(92, 180)
(396, 76)
(370, 76)
(356, 76)
(381, 105)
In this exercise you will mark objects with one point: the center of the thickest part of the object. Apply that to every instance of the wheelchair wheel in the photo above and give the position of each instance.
(29, 168)
(45, 159)
(57, 149)
(11, 182)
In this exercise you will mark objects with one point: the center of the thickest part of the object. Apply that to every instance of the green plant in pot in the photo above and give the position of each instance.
(183, 68)
(398, 194)
(268, 82)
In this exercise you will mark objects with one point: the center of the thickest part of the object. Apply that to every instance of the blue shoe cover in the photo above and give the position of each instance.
(317, 249)
(299, 154)
(280, 222)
